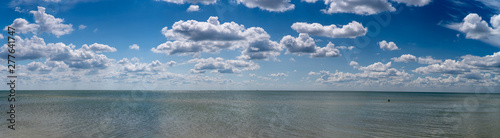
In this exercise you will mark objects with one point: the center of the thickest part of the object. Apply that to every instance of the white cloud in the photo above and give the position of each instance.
(269, 5)
(81, 27)
(47, 67)
(134, 46)
(475, 27)
(353, 63)
(417, 3)
(469, 63)
(50, 24)
(221, 66)
(135, 66)
(300, 45)
(328, 51)
(304, 44)
(264, 78)
(193, 8)
(209, 30)
(206, 2)
(447, 67)
(1, 36)
(388, 45)
(405, 58)
(45, 23)
(360, 7)
(35, 48)
(171, 63)
(22, 26)
(18, 9)
(428, 60)
(351, 30)
(193, 37)
(278, 75)
(309, 1)
(259, 46)
(377, 67)
(380, 76)
(98, 48)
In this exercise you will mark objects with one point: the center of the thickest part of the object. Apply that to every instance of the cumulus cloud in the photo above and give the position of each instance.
(377, 67)
(134, 65)
(206, 2)
(81, 27)
(388, 45)
(475, 27)
(193, 8)
(447, 67)
(36, 48)
(47, 67)
(300, 45)
(134, 46)
(269, 5)
(171, 63)
(328, 51)
(193, 37)
(98, 48)
(278, 75)
(22, 26)
(19, 10)
(1, 36)
(377, 73)
(259, 46)
(353, 63)
(45, 23)
(309, 1)
(50, 24)
(468, 64)
(351, 30)
(417, 3)
(428, 60)
(304, 44)
(360, 7)
(221, 66)
(405, 58)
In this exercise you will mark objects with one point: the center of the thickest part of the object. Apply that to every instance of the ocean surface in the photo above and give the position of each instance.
(251, 114)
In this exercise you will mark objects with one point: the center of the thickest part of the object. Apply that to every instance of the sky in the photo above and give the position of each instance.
(337, 45)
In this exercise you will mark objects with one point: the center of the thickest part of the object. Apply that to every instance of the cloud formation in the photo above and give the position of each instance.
(98, 48)
(351, 30)
(83, 58)
(193, 8)
(388, 45)
(304, 44)
(134, 46)
(193, 37)
(45, 23)
(360, 7)
(405, 58)
(206, 2)
(221, 66)
(468, 64)
(417, 3)
(269, 5)
(475, 27)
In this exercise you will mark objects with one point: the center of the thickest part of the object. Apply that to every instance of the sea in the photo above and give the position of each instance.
(219, 114)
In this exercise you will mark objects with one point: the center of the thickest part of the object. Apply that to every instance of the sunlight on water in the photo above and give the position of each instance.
(251, 114)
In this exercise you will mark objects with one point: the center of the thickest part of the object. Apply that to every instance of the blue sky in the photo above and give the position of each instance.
(395, 45)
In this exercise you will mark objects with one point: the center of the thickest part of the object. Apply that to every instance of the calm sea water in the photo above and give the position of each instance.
(251, 114)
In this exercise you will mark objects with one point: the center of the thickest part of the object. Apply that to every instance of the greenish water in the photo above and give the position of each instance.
(251, 114)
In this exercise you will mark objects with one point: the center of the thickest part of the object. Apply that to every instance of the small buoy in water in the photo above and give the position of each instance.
(388, 100)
